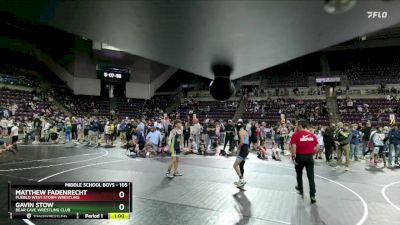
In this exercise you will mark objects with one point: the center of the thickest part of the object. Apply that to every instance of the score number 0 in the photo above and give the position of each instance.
(121, 195)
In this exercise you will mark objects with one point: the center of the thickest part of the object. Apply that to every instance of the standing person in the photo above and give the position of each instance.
(304, 146)
(244, 143)
(186, 135)
(101, 130)
(10, 125)
(217, 133)
(107, 132)
(277, 136)
(122, 132)
(68, 130)
(366, 131)
(329, 143)
(113, 132)
(60, 129)
(140, 140)
(46, 129)
(284, 137)
(263, 132)
(379, 146)
(86, 128)
(175, 142)
(210, 133)
(80, 130)
(222, 131)
(394, 150)
(258, 133)
(355, 142)
(196, 132)
(129, 130)
(74, 128)
(14, 135)
(204, 132)
(253, 136)
(94, 132)
(238, 125)
(321, 144)
(37, 125)
(230, 135)
(342, 140)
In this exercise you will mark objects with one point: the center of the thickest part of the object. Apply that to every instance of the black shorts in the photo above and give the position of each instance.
(176, 152)
(14, 139)
(244, 152)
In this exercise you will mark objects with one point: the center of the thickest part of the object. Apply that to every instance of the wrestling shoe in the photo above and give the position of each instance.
(241, 183)
(169, 175)
(237, 182)
(177, 174)
(313, 200)
(300, 192)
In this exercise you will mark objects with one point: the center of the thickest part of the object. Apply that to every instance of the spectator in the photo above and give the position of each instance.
(355, 142)
(342, 139)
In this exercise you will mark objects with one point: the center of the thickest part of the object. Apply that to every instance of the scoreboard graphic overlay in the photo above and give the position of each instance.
(70, 200)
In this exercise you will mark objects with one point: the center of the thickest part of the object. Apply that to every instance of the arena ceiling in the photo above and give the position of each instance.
(191, 35)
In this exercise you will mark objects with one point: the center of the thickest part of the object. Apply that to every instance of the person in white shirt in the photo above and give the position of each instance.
(320, 138)
(46, 129)
(14, 134)
(195, 133)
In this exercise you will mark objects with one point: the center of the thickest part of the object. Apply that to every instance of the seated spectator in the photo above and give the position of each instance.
(202, 148)
(275, 152)
(262, 150)
(53, 135)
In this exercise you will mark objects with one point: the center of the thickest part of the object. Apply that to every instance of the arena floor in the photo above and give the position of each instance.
(206, 194)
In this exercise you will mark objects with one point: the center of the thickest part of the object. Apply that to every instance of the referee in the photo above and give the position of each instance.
(304, 145)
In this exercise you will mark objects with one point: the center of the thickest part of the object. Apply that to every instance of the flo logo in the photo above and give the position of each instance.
(377, 14)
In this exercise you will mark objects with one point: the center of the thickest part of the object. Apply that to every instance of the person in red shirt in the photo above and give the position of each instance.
(304, 145)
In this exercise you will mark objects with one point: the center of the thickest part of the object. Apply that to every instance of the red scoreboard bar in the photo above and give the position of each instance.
(70, 200)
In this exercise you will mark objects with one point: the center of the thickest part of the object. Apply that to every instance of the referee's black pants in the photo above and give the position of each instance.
(229, 139)
(306, 161)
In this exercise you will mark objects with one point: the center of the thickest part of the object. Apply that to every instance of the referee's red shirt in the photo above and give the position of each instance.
(305, 142)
